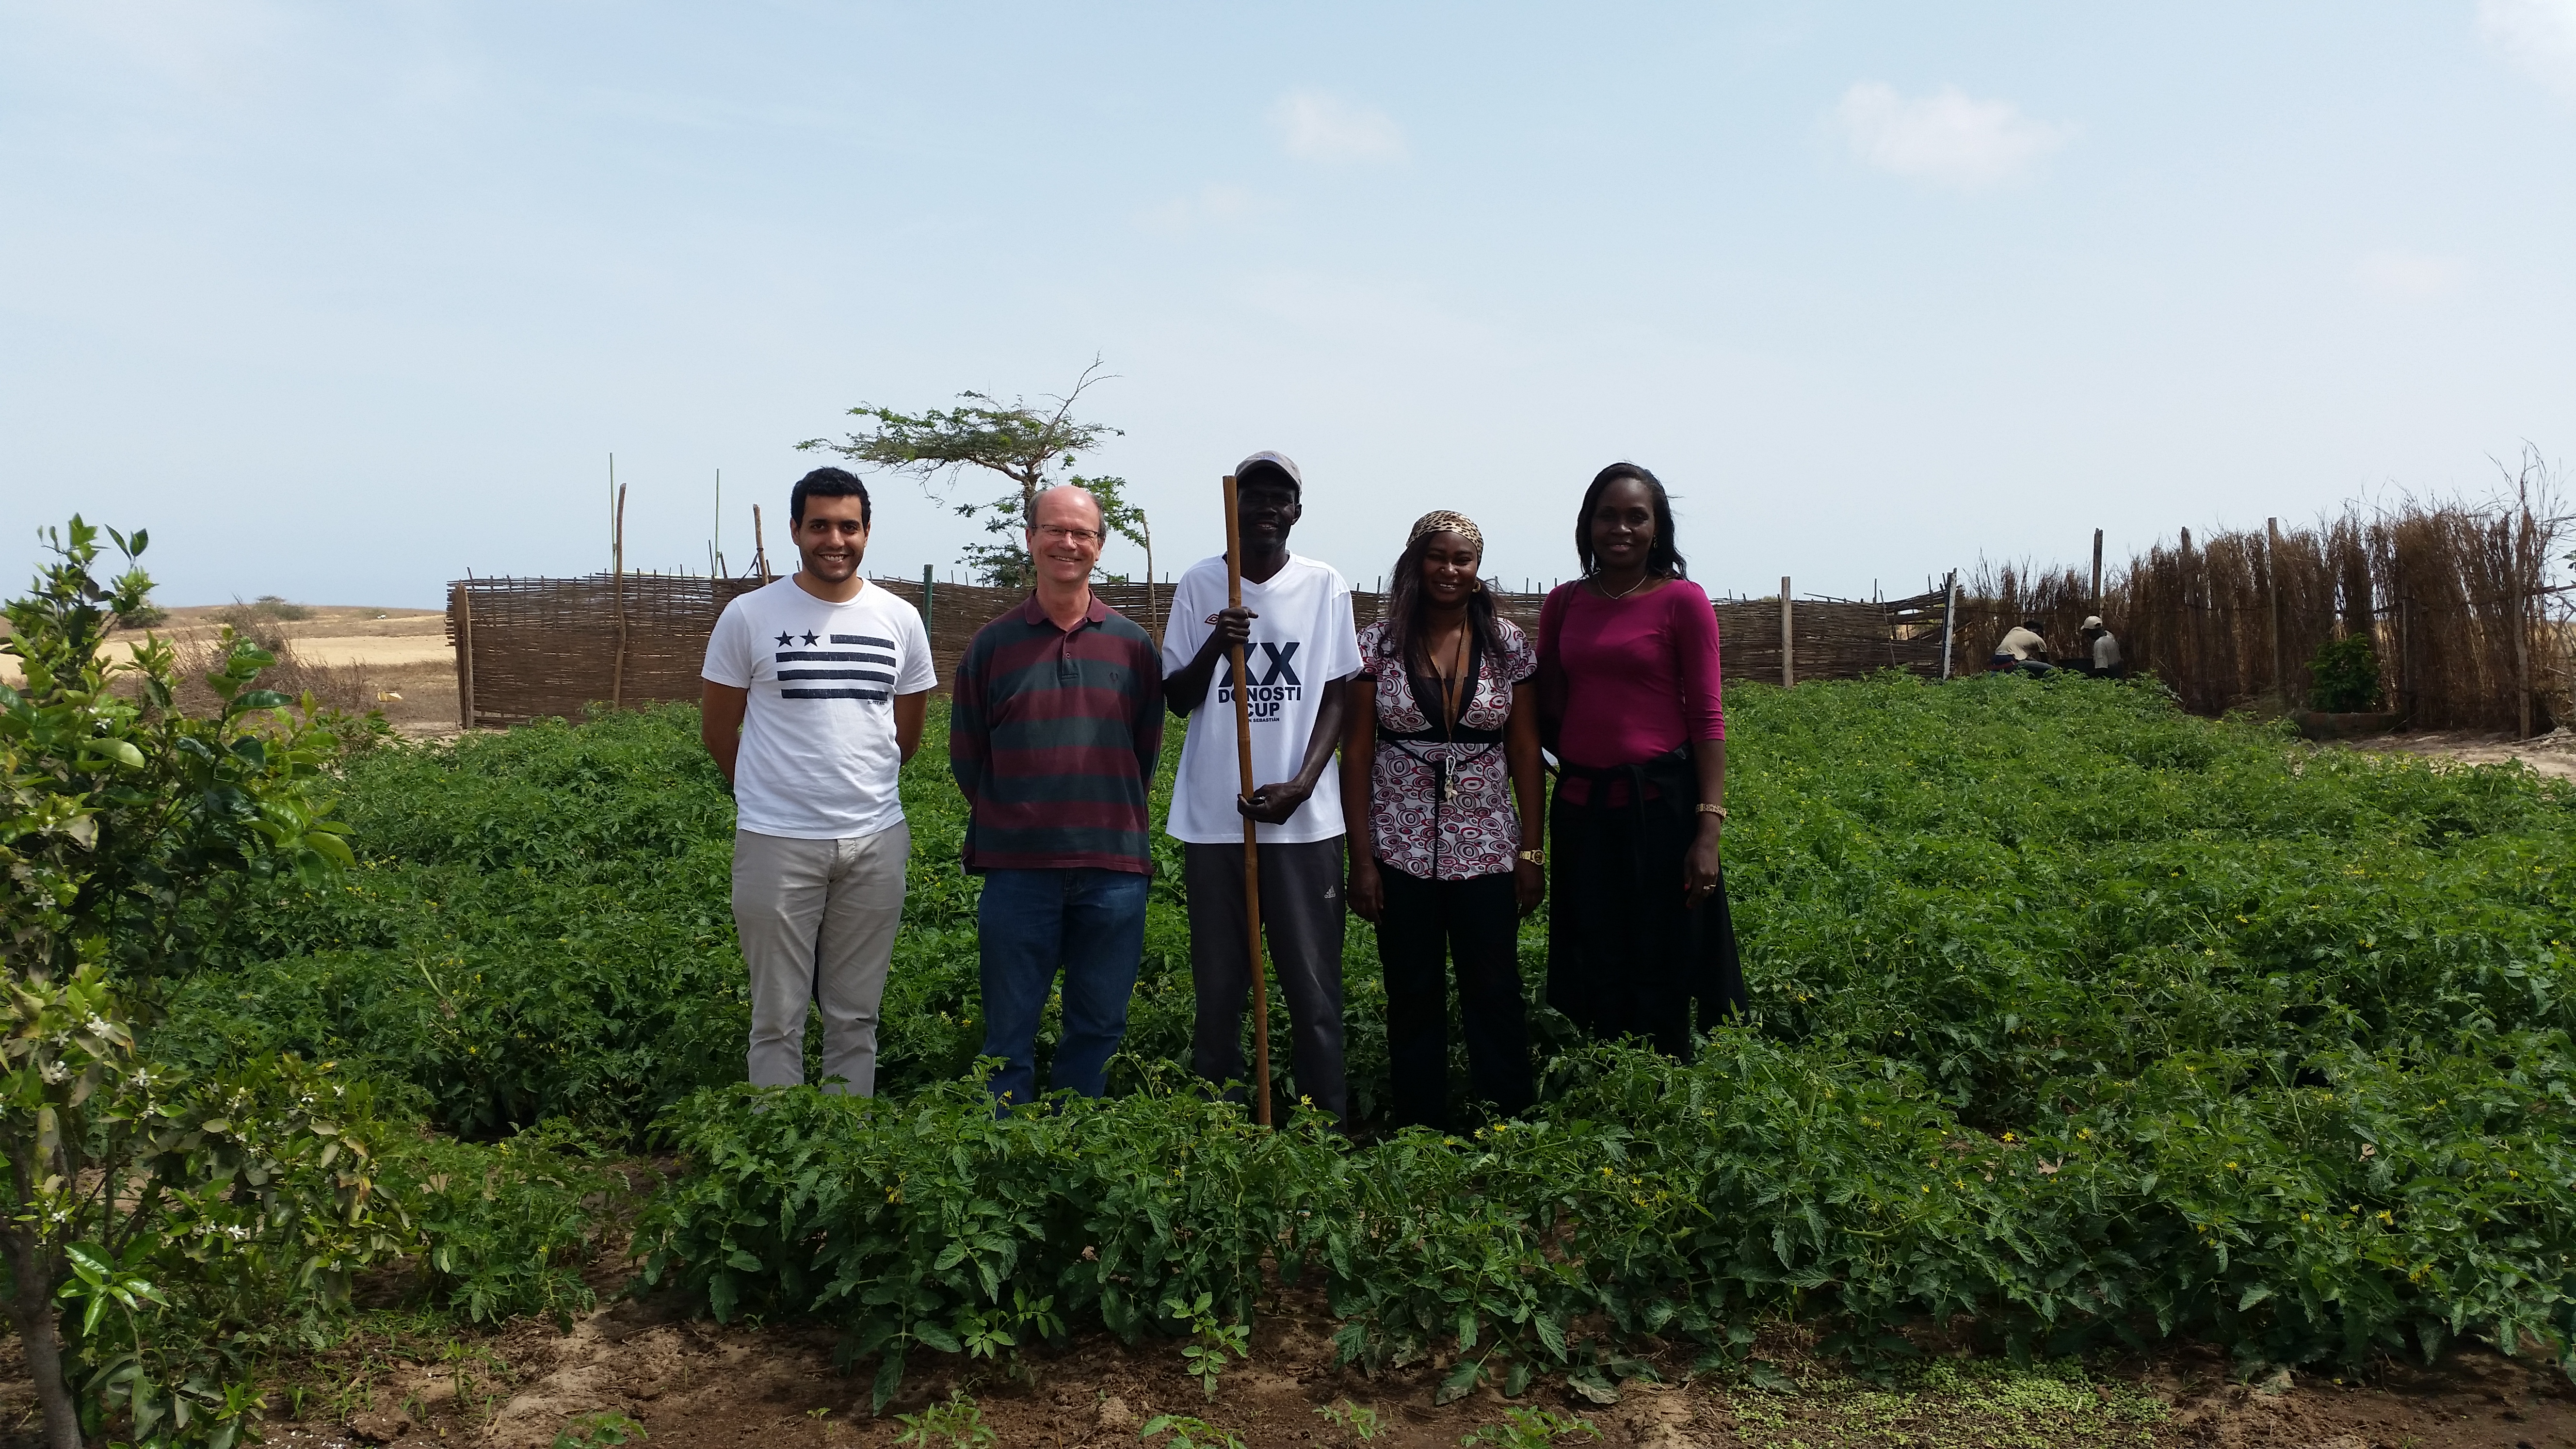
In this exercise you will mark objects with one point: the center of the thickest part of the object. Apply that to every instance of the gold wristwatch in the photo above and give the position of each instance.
(1535, 857)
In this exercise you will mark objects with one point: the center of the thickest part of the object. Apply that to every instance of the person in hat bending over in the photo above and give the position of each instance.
(2022, 648)
(2105, 662)
(1300, 652)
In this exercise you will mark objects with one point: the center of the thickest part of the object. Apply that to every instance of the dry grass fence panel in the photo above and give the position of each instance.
(2456, 600)
(2455, 597)
(540, 648)
(536, 648)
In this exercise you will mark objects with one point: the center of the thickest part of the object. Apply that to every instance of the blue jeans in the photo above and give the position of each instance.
(1089, 922)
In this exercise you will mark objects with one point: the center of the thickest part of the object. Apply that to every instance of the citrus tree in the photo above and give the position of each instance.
(150, 1216)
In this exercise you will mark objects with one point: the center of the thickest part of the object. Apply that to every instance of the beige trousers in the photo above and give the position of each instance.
(817, 921)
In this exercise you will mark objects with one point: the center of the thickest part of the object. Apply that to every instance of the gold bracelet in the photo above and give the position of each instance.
(1706, 808)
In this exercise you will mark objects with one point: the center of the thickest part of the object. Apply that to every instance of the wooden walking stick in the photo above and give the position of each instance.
(1251, 831)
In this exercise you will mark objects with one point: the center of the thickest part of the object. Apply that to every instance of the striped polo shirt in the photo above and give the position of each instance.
(1053, 736)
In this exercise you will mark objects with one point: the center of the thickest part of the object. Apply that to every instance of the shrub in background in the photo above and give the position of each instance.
(2343, 678)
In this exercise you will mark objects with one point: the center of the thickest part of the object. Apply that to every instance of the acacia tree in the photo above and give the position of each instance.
(1034, 447)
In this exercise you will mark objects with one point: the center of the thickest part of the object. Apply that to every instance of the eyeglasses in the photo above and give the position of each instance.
(1057, 533)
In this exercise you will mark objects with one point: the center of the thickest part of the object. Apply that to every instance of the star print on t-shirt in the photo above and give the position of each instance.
(813, 638)
(786, 639)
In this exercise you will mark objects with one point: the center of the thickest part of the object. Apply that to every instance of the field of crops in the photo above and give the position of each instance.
(2094, 1021)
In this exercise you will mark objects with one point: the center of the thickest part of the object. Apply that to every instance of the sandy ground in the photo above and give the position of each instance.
(2552, 754)
(403, 654)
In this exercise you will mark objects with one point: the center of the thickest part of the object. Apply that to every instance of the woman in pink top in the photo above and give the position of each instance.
(1629, 701)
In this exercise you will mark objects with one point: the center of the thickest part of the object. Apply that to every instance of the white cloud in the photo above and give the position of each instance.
(1314, 126)
(1949, 139)
(2540, 36)
(2398, 273)
(1212, 206)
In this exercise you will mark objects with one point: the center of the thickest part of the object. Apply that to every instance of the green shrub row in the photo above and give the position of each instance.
(2393, 1208)
(2004, 882)
(2283, 1026)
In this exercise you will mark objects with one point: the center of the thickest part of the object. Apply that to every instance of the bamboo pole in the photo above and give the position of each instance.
(2097, 571)
(1251, 831)
(760, 549)
(2272, 586)
(2523, 571)
(617, 583)
(1153, 620)
(1788, 638)
(1949, 620)
(2405, 700)
(461, 604)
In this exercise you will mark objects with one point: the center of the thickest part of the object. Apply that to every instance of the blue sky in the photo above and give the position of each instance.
(342, 300)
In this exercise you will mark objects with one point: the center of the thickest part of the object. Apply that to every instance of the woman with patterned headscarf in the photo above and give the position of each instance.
(1441, 794)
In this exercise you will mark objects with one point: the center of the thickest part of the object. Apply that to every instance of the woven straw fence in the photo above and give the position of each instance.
(2456, 599)
(543, 648)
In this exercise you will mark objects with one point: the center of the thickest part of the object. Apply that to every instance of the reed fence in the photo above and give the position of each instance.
(2456, 598)
(2469, 632)
(529, 648)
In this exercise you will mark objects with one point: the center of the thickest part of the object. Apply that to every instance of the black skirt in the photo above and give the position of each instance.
(1626, 954)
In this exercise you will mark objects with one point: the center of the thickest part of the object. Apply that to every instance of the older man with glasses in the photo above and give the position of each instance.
(1053, 737)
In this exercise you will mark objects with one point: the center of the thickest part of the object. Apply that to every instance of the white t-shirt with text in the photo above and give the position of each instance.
(818, 758)
(1302, 641)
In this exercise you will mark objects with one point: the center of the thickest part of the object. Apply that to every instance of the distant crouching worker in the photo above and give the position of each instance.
(1442, 739)
(814, 692)
(2105, 662)
(1630, 696)
(1057, 721)
(2022, 648)
(1295, 626)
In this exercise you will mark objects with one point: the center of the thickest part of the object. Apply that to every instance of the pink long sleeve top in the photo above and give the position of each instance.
(1641, 674)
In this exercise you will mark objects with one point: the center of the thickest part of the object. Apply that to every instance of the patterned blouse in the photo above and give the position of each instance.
(1442, 809)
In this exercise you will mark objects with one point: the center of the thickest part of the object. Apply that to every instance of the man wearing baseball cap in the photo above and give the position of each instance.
(2105, 663)
(1300, 651)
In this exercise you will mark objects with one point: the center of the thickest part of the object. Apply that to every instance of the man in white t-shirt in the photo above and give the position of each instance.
(815, 687)
(1301, 651)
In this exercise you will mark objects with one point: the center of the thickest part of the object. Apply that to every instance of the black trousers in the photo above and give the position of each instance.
(1426, 925)
(1626, 954)
(1302, 925)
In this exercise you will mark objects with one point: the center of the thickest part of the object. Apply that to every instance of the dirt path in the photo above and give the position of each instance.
(689, 1383)
(2552, 754)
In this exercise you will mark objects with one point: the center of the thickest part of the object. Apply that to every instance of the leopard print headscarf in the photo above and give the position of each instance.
(1441, 520)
